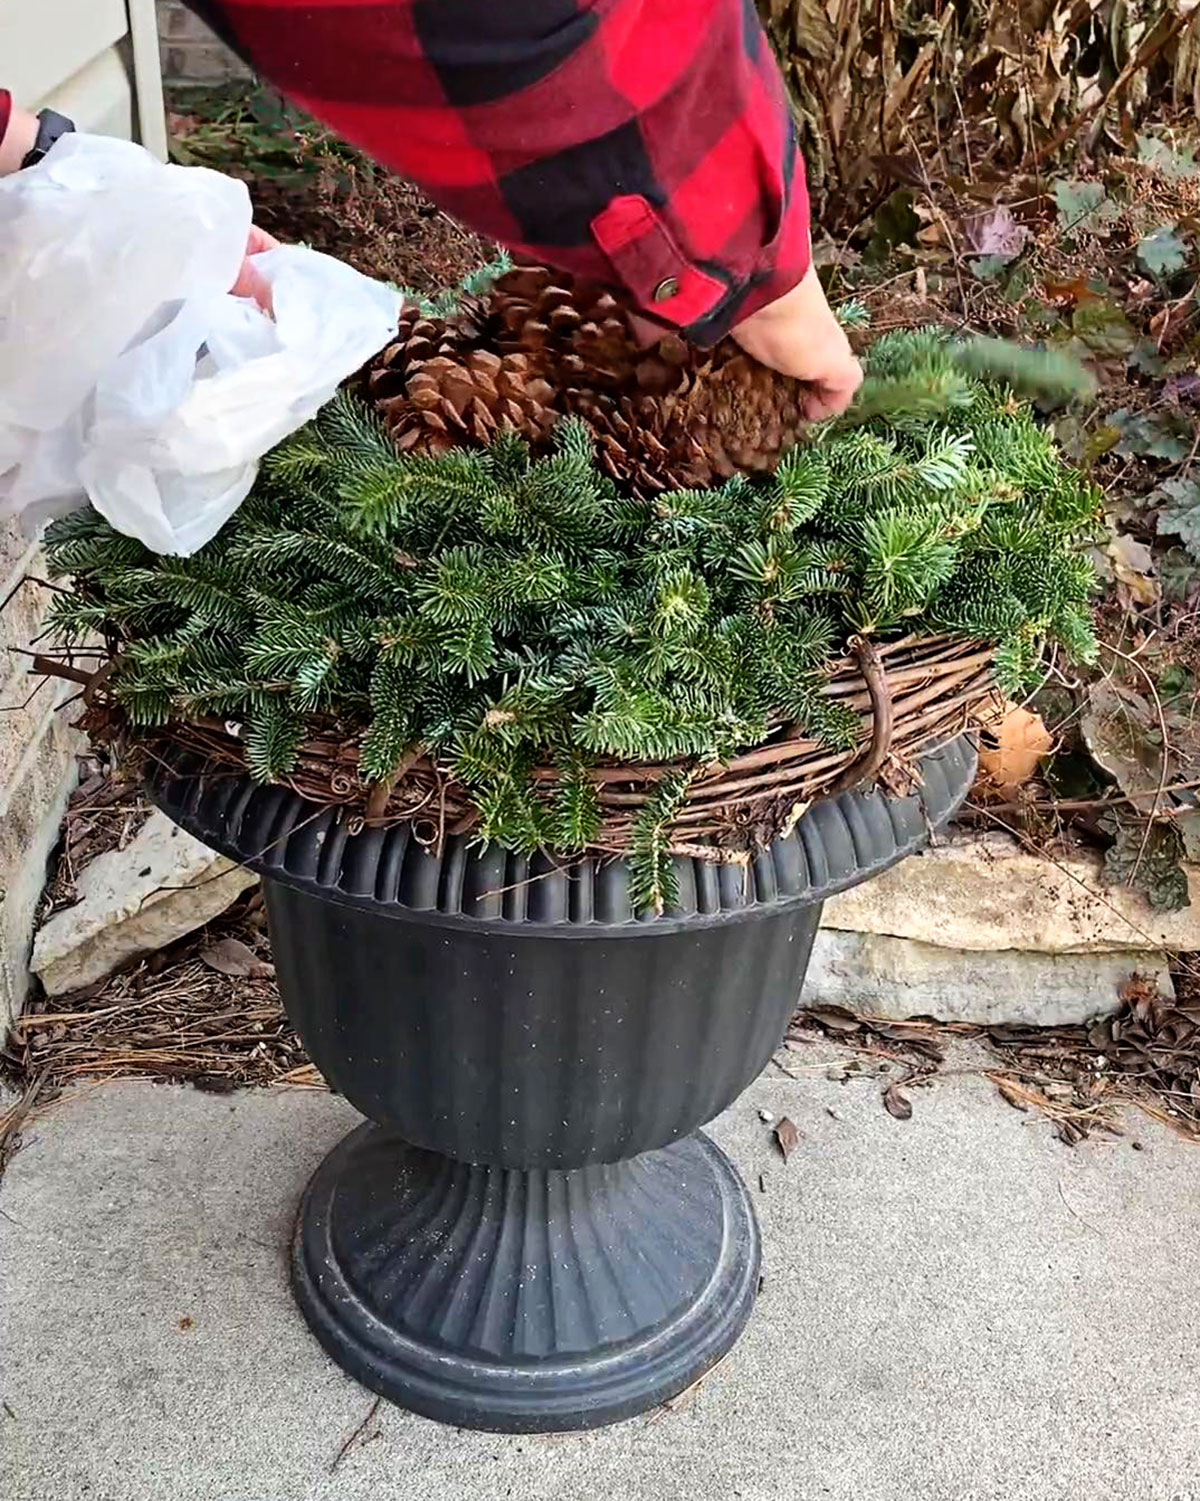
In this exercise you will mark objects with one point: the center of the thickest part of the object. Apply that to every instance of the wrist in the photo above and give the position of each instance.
(806, 301)
(18, 140)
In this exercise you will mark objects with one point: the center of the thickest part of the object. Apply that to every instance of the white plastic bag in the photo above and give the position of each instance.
(129, 376)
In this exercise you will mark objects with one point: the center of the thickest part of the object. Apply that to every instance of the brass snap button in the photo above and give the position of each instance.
(666, 289)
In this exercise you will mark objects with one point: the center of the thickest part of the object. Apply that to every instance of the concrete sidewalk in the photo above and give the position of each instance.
(957, 1308)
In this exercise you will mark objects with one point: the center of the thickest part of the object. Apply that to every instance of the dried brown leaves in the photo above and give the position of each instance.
(787, 1137)
(1078, 1077)
(178, 1015)
(1005, 79)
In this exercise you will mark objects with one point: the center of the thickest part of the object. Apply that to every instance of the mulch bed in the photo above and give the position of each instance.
(386, 230)
(1146, 1054)
(205, 1011)
(309, 188)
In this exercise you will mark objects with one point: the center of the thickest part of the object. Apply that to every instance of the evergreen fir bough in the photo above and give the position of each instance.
(501, 609)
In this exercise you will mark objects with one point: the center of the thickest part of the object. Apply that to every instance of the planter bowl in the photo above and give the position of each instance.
(532, 1235)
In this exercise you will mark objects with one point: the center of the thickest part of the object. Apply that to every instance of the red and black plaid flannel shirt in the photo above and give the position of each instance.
(646, 144)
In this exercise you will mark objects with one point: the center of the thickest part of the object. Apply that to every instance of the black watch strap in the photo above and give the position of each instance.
(51, 125)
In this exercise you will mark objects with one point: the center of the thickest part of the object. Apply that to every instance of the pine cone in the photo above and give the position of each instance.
(580, 332)
(436, 392)
(742, 414)
(540, 345)
(640, 445)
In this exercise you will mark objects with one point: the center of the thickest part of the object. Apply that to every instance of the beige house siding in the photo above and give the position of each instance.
(78, 56)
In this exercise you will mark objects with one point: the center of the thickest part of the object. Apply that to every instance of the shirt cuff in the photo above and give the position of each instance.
(703, 299)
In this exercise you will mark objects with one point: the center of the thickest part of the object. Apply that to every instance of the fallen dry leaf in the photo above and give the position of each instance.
(230, 956)
(897, 1104)
(786, 1136)
(834, 1017)
(1011, 748)
(1011, 1094)
(798, 810)
(1133, 563)
(995, 231)
(1120, 731)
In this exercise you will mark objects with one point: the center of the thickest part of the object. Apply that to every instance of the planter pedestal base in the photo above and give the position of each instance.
(520, 1014)
(525, 1300)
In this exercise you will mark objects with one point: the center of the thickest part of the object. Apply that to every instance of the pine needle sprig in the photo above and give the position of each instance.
(653, 877)
(273, 737)
(575, 814)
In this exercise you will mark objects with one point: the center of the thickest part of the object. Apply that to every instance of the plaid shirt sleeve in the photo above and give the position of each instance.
(646, 144)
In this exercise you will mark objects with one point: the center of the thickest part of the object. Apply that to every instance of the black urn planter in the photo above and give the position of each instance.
(532, 1234)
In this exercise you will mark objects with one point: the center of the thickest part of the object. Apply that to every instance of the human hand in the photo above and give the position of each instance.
(250, 281)
(17, 141)
(799, 335)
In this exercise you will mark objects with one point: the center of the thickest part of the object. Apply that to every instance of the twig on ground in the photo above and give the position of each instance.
(348, 1445)
(16, 1117)
(1072, 1210)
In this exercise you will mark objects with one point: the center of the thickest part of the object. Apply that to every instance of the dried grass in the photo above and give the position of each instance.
(170, 1017)
(981, 87)
(1079, 1078)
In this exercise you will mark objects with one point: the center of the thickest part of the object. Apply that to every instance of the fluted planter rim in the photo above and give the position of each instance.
(839, 842)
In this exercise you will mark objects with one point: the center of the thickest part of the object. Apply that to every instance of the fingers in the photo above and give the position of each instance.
(250, 281)
(832, 396)
(259, 241)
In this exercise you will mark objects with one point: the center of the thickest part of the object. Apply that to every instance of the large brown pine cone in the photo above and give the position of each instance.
(437, 389)
(539, 345)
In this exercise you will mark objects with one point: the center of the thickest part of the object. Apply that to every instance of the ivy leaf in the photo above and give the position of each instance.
(1013, 280)
(1175, 682)
(1160, 156)
(1180, 576)
(1189, 832)
(1084, 208)
(896, 223)
(1100, 322)
(1180, 515)
(1163, 252)
(1145, 357)
(1085, 441)
(1147, 862)
(1152, 435)
(989, 267)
